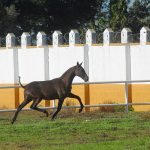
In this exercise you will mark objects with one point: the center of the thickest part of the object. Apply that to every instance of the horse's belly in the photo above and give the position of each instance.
(51, 97)
(54, 93)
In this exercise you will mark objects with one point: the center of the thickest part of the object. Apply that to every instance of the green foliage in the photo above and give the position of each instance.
(138, 15)
(114, 108)
(118, 14)
(100, 21)
(48, 15)
(8, 17)
(135, 16)
(123, 108)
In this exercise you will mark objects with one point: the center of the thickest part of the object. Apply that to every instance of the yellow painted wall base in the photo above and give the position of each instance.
(104, 93)
(90, 94)
(7, 99)
(141, 93)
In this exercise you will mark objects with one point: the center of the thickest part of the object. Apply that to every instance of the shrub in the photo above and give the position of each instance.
(114, 108)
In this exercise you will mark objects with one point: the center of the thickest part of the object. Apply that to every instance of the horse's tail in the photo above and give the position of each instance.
(21, 83)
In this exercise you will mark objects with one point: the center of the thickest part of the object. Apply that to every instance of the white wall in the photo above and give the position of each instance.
(140, 62)
(31, 64)
(62, 58)
(106, 63)
(6, 66)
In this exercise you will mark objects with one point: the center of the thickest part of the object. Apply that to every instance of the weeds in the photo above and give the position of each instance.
(114, 108)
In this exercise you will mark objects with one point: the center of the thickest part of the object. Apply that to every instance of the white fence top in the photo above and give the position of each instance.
(74, 37)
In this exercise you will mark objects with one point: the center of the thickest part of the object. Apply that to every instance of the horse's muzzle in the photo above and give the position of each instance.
(86, 78)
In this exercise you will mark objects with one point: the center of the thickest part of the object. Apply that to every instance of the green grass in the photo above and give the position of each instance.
(74, 131)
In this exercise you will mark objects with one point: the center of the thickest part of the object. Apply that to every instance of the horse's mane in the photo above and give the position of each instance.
(67, 71)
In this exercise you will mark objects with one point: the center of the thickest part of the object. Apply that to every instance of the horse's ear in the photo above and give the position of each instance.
(79, 64)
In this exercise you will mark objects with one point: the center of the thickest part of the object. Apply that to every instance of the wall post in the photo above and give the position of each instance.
(25, 40)
(128, 87)
(126, 35)
(46, 69)
(74, 38)
(11, 44)
(86, 86)
(108, 36)
(90, 37)
(10, 40)
(144, 35)
(41, 39)
(16, 76)
(57, 38)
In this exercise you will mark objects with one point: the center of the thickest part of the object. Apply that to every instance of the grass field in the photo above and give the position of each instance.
(73, 131)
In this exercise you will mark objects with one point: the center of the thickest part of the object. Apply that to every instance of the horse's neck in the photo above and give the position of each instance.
(68, 77)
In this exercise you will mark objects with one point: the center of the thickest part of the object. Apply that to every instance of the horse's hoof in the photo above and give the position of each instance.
(46, 113)
(52, 119)
(80, 110)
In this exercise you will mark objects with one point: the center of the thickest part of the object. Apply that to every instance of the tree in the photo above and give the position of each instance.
(47, 15)
(100, 21)
(8, 17)
(138, 15)
(118, 14)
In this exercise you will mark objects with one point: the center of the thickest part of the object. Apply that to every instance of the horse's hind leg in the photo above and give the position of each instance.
(71, 95)
(25, 102)
(60, 102)
(34, 106)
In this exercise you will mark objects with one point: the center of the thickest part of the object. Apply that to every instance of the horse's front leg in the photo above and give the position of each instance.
(60, 102)
(71, 95)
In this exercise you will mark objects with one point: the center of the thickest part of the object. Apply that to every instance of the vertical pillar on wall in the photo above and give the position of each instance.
(126, 39)
(46, 69)
(74, 38)
(11, 43)
(41, 39)
(90, 37)
(57, 38)
(42, 42)
(108, 36)
(128, 87)
(126, 35)
(86, 86)
(25, 40)
(16, 75)
(10, 40)
(144, 35)
(87, 96)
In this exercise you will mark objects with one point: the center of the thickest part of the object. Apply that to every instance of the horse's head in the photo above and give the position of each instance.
(80, 72)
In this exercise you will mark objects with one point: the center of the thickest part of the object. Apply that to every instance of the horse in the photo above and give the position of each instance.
(58, 88)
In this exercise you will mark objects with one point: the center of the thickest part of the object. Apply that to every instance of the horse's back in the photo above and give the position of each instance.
(32, 90)
(52, 89)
